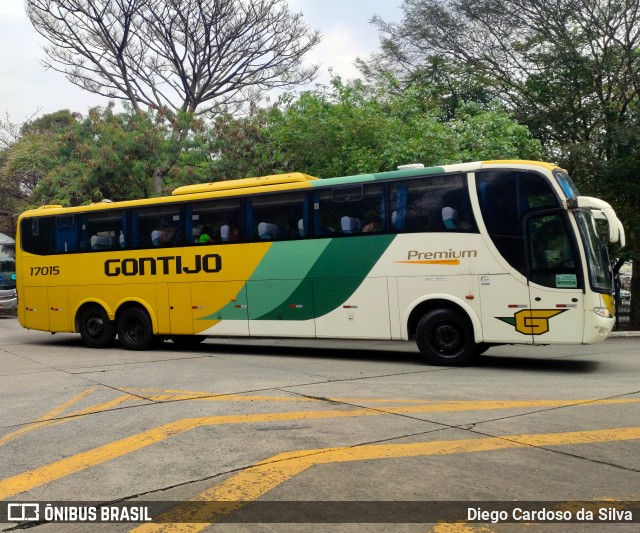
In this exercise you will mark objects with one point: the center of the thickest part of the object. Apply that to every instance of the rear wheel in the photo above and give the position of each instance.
(134, 329)
(96, 330)
(445, 338)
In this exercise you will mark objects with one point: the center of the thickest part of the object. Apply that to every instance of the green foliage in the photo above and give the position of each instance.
(347, 129)
(567, 69)
(341, 129)
(72, 161)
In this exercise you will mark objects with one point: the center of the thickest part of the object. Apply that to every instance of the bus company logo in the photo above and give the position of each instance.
(442, 257)
(170, 264)
(532, 321)
(23, 512)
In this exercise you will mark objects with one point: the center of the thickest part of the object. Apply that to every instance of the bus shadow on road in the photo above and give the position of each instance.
(380, 352)
(562, 365)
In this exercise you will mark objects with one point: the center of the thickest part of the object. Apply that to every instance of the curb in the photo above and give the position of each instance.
(624, 334)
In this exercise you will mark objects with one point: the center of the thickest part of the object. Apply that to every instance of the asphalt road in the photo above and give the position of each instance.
(353, 436)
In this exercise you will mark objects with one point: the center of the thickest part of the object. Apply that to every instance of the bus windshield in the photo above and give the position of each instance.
(567, 185)
(600, 274)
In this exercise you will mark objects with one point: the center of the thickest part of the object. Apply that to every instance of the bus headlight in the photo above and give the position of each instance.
(603, 312)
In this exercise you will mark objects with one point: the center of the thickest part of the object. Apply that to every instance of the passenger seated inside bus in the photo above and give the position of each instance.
(206, 235)
(374, 226)
(350, 224)
(267, 231)
(301, 229)
(165, 235)
(103, 242)
(229, 233)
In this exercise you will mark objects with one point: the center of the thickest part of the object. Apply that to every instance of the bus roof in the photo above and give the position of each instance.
(282, 182)
(244, 183)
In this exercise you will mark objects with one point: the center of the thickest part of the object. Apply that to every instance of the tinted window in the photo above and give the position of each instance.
(277, 217)
(103, 230)
(552, 255)
(157, 226)
(35, 235)
(213, 222)
(505, 197)
(349, 210)
(433, 203)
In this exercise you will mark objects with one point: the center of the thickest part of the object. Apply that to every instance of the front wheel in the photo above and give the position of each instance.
(134, 329)
(445, 338)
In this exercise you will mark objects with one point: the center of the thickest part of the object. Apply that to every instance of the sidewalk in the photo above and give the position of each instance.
(624, 334)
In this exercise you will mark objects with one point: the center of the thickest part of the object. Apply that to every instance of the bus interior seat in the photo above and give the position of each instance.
(350, 224)
(449, 217)
(102, 242)
(267, 231)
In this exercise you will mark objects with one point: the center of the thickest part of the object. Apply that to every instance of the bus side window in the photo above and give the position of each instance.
(103, 230)
(35, 235)
(212, 221)
(350, 210)
(156, 226)
(431, 203)
(276, 216)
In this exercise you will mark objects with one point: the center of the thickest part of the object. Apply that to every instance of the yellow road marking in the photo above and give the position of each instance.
(254, 482)
(47, 420)
(43, 420)
(81, 461)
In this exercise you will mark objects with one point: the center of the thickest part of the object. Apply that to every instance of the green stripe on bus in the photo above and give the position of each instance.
(332, 279)
(364, 178)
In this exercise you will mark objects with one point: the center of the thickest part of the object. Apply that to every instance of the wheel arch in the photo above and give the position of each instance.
(114, 314)
(84, 304)
(136, 302)
(424, 305)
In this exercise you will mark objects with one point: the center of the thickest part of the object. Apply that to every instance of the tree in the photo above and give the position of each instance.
(568, 69)
(186, 56)
(112, 156)
(347, 129)
(24, 164)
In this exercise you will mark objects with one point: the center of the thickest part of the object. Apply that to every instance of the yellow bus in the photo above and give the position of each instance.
(458, 257)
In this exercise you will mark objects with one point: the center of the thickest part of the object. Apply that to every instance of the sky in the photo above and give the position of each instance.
(28, 90)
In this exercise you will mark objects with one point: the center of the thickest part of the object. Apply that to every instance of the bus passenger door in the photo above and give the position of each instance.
(58, 309)
(180, 315)
(555, 282)
(505, 302)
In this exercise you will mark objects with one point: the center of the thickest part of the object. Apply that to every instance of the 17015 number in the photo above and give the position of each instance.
(45, 271)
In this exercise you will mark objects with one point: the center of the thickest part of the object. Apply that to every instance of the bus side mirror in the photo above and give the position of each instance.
(601, 210)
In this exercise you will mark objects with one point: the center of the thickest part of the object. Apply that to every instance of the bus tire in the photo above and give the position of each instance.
(187, 341)
(445, 338)
(96, 330)
(135, 330)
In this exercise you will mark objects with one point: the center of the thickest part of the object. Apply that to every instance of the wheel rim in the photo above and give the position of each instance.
(446, 339)
(134, 330)
(95, 327)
